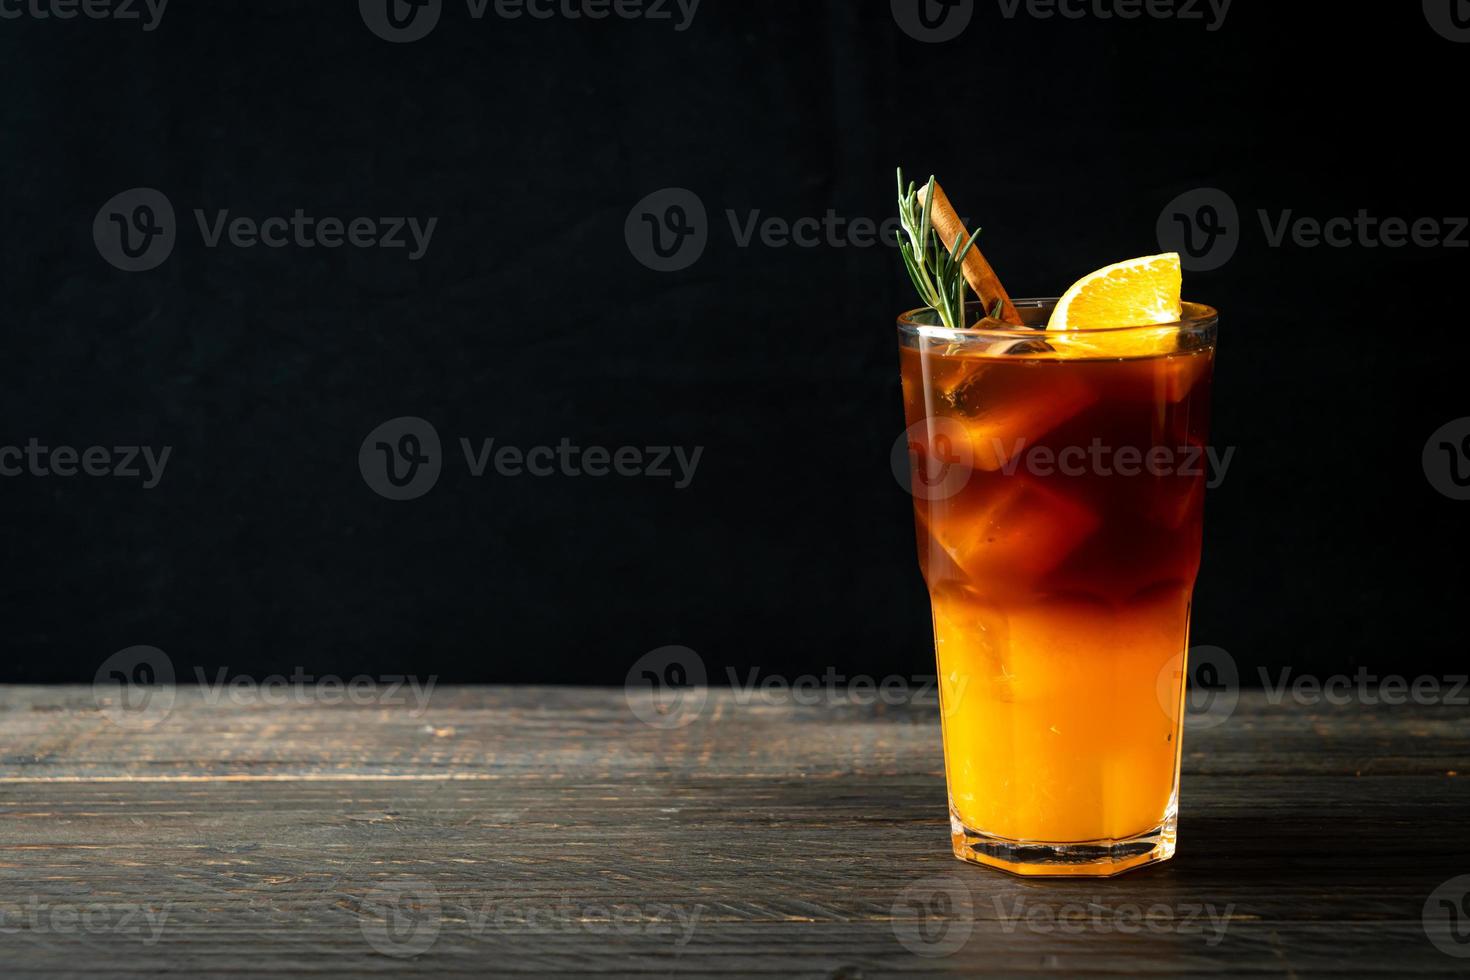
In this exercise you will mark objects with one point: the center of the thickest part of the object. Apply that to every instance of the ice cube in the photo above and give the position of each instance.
(972, 640)
(1007, 410)
(1021, 530)
(965, 393)
(1029, 346)
(1025, 652)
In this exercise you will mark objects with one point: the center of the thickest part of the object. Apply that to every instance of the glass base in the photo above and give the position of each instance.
(1082, 859)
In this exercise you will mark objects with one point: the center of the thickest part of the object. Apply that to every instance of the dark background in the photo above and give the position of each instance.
(529, 320)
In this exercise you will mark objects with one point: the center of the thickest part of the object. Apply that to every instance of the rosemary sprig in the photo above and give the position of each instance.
(935, 269)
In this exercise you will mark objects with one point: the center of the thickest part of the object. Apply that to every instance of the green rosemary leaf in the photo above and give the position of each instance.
(962, 252)
(936, 269)
(925, 228)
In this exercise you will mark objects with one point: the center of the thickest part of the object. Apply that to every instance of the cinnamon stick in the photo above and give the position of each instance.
(978, 273)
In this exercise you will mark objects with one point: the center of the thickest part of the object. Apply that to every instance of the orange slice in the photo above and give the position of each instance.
(1136, 293)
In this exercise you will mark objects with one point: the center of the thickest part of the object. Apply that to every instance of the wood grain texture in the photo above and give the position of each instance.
(542, 830)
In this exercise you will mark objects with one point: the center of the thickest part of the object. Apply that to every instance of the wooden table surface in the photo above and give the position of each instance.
(550, 830)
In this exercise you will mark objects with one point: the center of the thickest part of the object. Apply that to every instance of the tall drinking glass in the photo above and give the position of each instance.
(1058, 497)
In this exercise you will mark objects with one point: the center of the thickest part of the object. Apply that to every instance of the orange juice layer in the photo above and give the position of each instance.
(1061, 716)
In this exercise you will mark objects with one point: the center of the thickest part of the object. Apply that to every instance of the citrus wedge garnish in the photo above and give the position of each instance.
(1137, 293)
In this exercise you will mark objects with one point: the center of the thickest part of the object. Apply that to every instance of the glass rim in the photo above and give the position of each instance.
(1196, 316)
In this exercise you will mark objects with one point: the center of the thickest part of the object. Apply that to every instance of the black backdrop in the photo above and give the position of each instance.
(530, 320)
